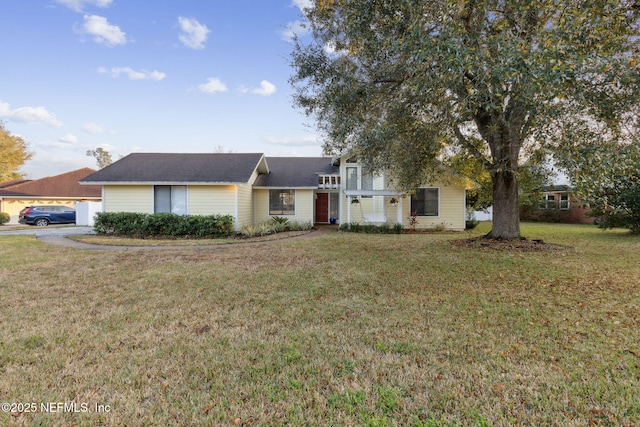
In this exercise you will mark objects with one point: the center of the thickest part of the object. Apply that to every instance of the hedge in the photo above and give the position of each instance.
(162, 225)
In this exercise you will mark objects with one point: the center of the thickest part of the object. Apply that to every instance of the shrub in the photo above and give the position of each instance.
(163, 225)
(384, 228)
(4, 218)
(398, 228)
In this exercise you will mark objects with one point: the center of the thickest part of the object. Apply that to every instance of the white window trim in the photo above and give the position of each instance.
(439, 200)
(295, 202)
(153, 196)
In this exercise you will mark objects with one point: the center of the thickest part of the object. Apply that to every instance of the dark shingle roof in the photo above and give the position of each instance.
(179, 168)
(289, 172)
(63, 185)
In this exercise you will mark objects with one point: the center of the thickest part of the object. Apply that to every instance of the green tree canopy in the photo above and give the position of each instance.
(409, 84)
(607, 178)
(14, 152)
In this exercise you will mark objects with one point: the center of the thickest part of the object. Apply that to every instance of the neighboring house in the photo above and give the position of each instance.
(253, 188)
(63, 189)
(556, 203)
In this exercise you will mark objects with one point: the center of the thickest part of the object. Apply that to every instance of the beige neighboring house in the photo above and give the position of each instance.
(253, 188)
(63, 189)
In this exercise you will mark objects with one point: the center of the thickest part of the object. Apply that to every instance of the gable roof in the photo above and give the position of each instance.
(63, 185)
(290, 172)
(13, 182)
(167, 168)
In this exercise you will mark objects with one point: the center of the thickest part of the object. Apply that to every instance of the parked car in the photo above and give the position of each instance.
(45, 215)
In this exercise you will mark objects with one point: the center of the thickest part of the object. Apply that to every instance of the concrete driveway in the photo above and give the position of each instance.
(56, 235)
(52, 230)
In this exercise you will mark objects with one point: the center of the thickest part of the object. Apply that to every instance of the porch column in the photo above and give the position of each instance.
(399, 210)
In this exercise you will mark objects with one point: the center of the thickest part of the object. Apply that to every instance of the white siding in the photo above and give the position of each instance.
(245, 205)
(128, 198)
(211, 199)
(451, 212)
(305, 206)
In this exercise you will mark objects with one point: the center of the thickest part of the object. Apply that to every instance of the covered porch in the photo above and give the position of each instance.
(372, 206)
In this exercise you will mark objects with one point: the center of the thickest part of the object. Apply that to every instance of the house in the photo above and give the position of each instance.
(253, 188)
(63, 189)
(555, 203)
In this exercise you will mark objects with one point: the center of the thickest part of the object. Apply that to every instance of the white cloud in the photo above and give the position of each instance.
(266, 88)
(290, 141)
(213, 85)
(78, 5)
(103, 31)
(294, 29)
(193, 33)
(30, 115)
(69, 139)
(132, 74)
(94, 128)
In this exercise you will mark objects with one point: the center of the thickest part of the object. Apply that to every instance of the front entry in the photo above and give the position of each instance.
(322, 207)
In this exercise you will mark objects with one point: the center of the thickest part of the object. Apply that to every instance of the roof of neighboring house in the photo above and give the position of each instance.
(13, 182)
(556, 188)
(63, 185)
(289, 172)
(168, 168)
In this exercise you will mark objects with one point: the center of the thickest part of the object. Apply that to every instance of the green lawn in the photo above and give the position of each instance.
(344, 329)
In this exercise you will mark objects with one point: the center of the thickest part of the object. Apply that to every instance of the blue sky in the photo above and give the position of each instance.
(141, 76)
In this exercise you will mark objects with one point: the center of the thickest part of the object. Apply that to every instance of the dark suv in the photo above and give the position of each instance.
(45, 215)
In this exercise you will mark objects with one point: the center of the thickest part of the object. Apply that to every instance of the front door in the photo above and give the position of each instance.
(322, 207)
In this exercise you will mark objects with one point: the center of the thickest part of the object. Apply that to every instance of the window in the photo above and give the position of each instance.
(426, 202)
(352, 178)
(282, 202)
(367, 180)
(170, 199)
(564, 202)
(548, 201)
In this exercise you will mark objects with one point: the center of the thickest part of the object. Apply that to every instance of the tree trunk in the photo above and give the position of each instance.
(506, 214)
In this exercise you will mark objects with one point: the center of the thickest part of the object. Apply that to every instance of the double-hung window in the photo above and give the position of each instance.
(352, 178)
(282, 202)
(170, 199)
(426, 202)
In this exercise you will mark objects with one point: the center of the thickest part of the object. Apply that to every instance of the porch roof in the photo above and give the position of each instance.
(355, 193)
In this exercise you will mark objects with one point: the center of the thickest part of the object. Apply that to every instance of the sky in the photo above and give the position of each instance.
(185, 76)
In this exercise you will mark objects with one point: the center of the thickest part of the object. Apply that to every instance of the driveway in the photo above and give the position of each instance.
(52, 230)
(56, 235)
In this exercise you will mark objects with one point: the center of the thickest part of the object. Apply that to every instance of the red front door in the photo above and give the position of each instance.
(322, 207)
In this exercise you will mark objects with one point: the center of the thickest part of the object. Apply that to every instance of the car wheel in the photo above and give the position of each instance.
(41, 222)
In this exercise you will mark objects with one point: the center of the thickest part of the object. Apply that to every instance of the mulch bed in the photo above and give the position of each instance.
(520, 245)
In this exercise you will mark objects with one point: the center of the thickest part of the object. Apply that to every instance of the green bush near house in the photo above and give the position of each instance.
(163, 225)
(274, 226)
(4, 218)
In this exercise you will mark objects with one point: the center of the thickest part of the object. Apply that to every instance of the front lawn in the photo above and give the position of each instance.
(343, 329)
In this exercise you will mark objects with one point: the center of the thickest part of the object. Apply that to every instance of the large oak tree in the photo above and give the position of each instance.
(409, 84)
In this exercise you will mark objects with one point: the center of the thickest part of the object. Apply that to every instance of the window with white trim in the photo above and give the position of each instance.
(564, 202)
(170, 199)
(548, 202)
(282, 202)
(352, 178)
(426, 202)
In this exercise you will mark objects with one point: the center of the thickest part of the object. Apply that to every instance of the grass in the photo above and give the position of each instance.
(344, 329)
(173, 242)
